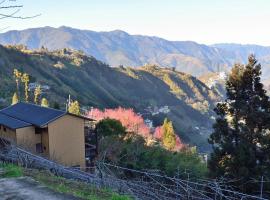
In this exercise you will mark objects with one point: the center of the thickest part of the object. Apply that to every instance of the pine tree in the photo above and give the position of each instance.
(241, 133)
(15, 98)
(110, 127)
(44, 102)
(25, 80)
(37, 93)
(74, 108)
(169, 137)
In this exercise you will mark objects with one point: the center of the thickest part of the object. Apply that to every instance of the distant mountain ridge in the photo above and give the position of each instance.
(120, 48)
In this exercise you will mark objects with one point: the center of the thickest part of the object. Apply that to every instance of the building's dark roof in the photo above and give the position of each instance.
(25, 114)
(32, 114)
(12, 122)
(82, 117)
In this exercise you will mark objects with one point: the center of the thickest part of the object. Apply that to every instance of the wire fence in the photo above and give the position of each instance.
(148, 185)
(165, 187)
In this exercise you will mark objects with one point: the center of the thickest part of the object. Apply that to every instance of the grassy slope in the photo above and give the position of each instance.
(75, 188)
(94, 83)
(10, 171)
(62, 185)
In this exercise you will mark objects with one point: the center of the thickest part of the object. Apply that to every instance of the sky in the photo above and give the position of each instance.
(203, 21)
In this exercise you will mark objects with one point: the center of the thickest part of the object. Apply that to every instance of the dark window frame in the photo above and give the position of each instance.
(38, 130)
(39, 148)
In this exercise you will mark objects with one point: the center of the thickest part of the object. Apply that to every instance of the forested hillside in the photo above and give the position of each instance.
(148, 89)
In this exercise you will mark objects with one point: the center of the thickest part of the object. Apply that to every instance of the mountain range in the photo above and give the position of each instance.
(120, 48)
(149, 74)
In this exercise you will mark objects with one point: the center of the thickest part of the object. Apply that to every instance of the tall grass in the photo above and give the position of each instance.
(10, 170)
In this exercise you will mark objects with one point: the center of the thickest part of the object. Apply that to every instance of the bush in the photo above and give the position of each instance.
(132, 152)
(110, 127)
(11, 170)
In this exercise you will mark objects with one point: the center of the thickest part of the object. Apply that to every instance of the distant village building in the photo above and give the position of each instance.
(48, 132)
(164, 109)
(149, 123)
(157, 110)
(33, 86)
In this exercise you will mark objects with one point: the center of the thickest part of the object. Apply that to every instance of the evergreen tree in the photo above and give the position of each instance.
(25, 80)
(241, 136)
(110, 127)
(56, 105)
(37, 93)
(74, 108)
(168, 137)
(44, 102)
(15, 98)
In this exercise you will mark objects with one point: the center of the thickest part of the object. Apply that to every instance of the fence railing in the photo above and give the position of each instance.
(139, 184)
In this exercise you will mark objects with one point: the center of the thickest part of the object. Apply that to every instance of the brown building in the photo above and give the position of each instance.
(54, 134)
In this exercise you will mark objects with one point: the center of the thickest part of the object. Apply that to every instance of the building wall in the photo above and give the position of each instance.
(45, 142)
(8, 134)
(66, 141)
(27, 138)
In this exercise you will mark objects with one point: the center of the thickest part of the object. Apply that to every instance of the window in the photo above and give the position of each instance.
(38, 130)
(5, 129)
(39, 148)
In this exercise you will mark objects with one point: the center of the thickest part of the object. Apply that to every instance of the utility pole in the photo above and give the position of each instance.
(187, 186)
(69, 100)
(68, 103)
(261, 194)
(216, 189)
(177, 183)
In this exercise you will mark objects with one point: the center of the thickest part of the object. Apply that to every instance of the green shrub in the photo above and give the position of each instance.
(110, 127)
(132, 152)
(118, 197)
(11, 170)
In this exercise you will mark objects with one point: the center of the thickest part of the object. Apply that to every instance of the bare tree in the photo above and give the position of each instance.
(11, 9)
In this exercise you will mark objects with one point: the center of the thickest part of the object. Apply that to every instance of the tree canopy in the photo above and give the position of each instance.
(44, 102)
(15, 98)
(168, 137)
(241, 137)
(110, 127)
(74, 108)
